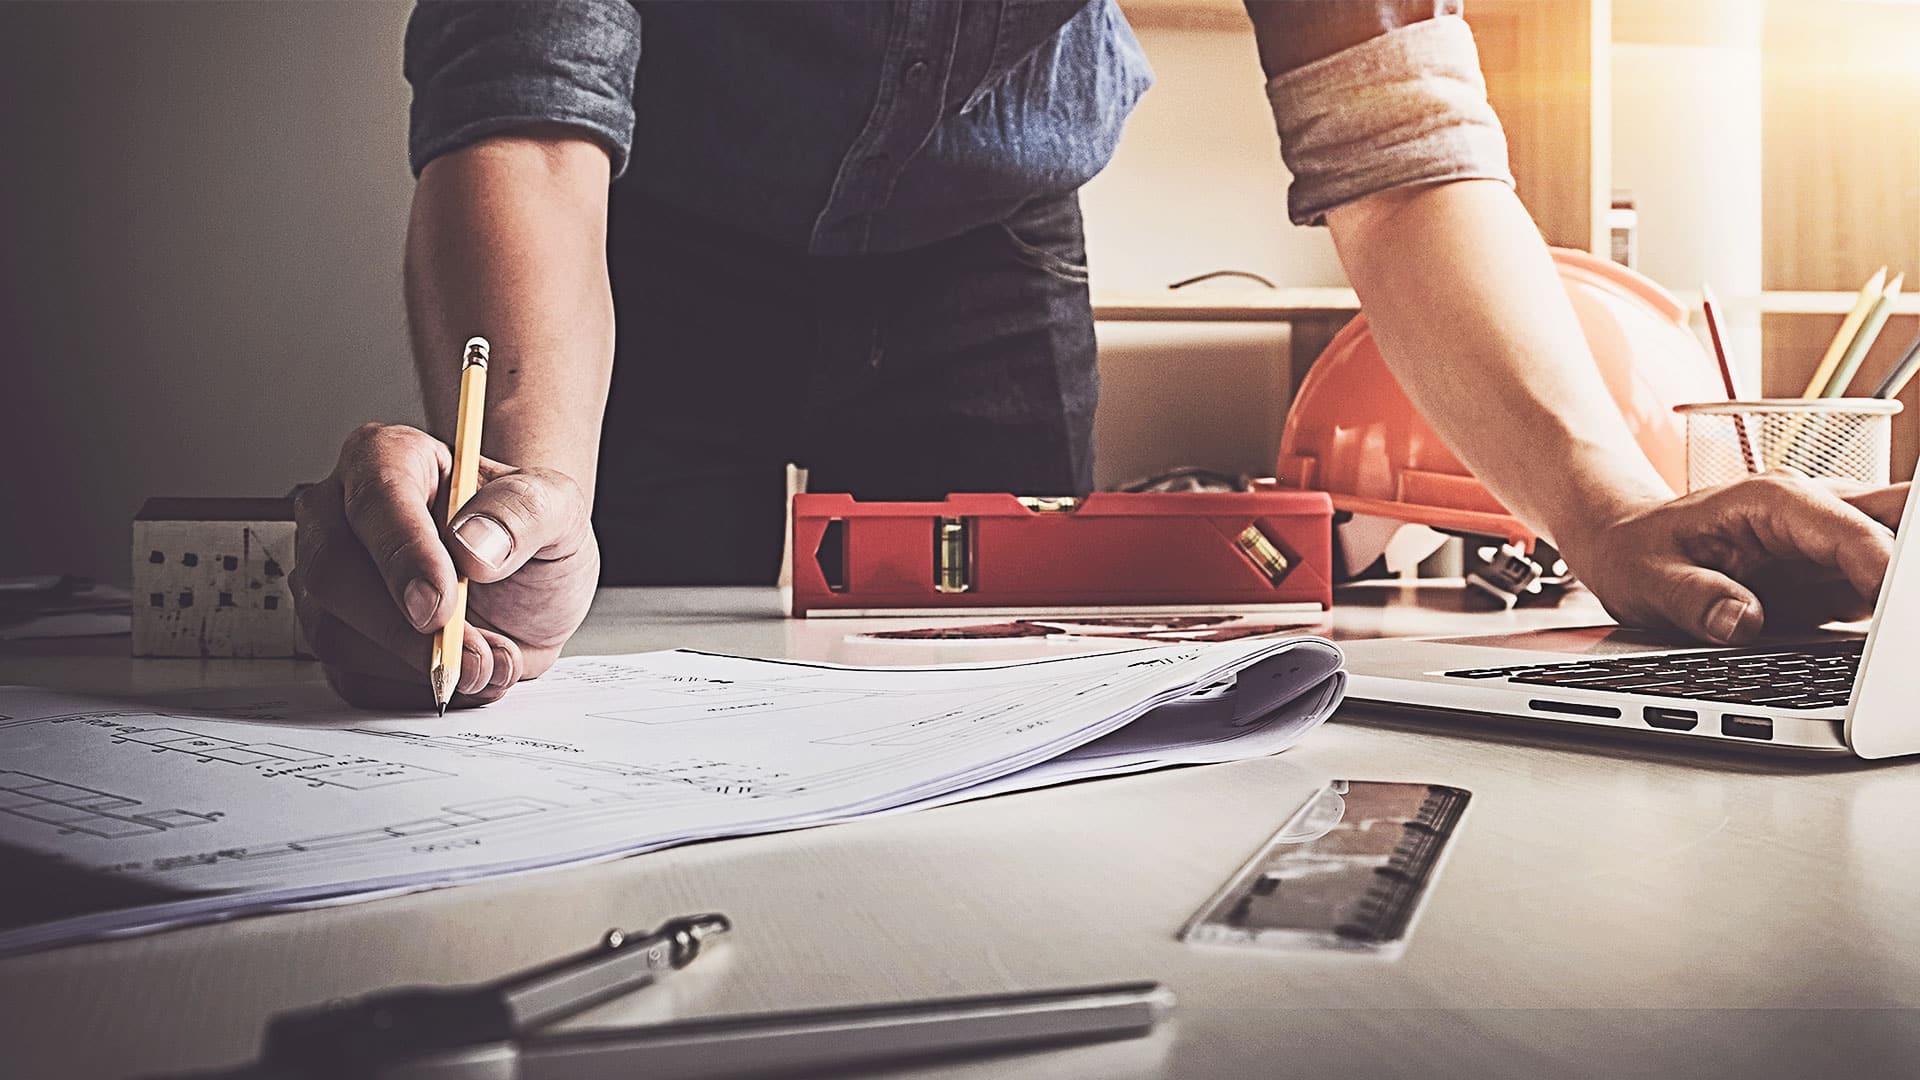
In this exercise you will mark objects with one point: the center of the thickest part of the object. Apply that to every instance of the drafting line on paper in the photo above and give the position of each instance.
(72, 808)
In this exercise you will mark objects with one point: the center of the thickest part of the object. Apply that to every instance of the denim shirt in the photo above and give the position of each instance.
(882, 125)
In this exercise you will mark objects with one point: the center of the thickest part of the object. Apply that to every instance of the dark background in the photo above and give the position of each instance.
(201, 214)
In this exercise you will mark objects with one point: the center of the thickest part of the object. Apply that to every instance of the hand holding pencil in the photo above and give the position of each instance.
(413, 557)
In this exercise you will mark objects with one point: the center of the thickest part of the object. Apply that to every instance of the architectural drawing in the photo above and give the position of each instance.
(600, 757)
(71, 808)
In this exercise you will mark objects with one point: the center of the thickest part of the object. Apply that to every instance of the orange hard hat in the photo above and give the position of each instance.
(1353, 434)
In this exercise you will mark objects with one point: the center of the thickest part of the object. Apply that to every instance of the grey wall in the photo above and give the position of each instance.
(201, 214)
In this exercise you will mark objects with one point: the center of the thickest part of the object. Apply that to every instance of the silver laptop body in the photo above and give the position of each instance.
(1838, 694)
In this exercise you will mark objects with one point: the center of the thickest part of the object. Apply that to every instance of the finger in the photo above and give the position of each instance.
(341, 586)
(1707, 604)
(373, 692)
(507, 662)
(476, 663)
(1797, 595)
(341, 646)
(389, 478)
(536, 660)
(517, 516)
(1884, 505)
(543, 603)
(335, 575)
(1797, 520)
(319, 523)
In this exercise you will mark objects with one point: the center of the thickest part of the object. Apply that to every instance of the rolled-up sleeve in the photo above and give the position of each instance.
(1407, 106)
(478, 68)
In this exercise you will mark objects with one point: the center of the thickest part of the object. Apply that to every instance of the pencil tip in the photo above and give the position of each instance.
(438, 679)
(443, 709)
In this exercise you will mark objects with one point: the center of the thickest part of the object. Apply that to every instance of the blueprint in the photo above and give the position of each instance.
(233, 802)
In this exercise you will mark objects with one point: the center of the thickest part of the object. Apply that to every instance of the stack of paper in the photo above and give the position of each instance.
(142, 815)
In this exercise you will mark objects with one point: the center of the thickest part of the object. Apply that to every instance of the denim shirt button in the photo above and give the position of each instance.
(917, 74)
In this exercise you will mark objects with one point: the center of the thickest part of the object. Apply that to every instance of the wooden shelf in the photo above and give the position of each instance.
(1219, 305)
(1286, 305)
(1313, 315)
(1777, 302)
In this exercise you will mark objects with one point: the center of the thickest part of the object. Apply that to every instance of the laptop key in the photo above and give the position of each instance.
(1797, 678)
(1575, 680)
(1694, 693)
(1649, 682)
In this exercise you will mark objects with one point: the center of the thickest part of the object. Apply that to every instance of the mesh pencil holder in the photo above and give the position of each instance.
(1850, 438)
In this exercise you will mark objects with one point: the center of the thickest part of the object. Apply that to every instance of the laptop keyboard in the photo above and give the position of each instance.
(1803, 677)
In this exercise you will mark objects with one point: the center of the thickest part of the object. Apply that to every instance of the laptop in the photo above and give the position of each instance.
(1839, 693)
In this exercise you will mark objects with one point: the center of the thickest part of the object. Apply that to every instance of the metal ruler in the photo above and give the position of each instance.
(1348, 871)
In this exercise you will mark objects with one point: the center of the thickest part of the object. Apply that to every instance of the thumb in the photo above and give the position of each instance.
(514, 517)
(1709, 605)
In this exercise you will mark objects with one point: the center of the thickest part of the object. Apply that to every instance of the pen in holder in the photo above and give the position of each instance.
(1850, 438)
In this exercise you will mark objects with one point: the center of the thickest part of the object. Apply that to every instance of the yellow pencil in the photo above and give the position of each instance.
(1869, 330)
(444, 671)
(1849, 326)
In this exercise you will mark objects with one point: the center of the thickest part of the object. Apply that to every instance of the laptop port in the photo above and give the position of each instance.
(1671, 719)
(1575, 708)
(1746, 727)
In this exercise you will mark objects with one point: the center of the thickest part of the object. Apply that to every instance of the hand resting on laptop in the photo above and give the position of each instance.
(1776, 550)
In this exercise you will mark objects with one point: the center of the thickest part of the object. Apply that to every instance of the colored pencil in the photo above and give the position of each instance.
(1901, 374)
(1710, 306)
(1869, 330)
(1849, 326)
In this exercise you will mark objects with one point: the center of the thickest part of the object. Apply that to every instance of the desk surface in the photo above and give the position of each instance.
(1608, 910)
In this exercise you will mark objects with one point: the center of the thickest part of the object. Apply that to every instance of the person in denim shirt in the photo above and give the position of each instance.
(847, 235)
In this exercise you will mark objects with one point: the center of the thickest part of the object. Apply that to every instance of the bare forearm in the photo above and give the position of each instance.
(1472, 319)
(507, 240)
